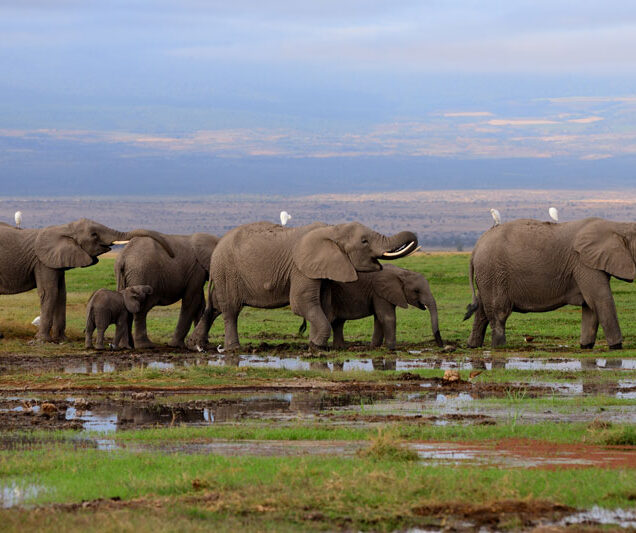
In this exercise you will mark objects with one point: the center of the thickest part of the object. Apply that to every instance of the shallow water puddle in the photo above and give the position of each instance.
(108, 363)
(524, 454)
(14, 493)
(625, 518)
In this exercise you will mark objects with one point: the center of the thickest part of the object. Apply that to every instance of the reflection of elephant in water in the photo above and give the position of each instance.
(377, 294)
(113, 307)
(531, 266)
(267, 265)
(181, 277)
(32, 258)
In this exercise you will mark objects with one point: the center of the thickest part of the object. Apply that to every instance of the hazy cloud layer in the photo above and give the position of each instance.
(527, 79)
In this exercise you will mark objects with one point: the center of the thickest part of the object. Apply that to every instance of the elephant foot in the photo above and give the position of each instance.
(88, 346)
(99, 347)
(318, 350)
(177, 344)
(196, 345)
(438, 339)
(617, 346)
(587, 346)
(144, 344)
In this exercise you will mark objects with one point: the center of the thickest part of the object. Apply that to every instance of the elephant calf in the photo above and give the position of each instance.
(114, 307)
(377, 294)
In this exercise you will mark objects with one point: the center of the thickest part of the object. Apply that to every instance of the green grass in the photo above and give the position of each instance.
(448, 277)
(378, 490)
(377, 493)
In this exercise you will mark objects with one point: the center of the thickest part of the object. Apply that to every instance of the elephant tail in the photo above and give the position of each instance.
(474, 305)
(303, 327)
(120, 267)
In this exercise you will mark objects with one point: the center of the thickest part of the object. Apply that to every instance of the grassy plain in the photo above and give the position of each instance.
(160, 489)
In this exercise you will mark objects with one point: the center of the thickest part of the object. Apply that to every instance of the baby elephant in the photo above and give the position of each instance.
(377, 294)
(107, 307)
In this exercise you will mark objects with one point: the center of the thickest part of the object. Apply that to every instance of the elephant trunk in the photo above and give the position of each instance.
(429, 302)
(122, 237)
(399, 245)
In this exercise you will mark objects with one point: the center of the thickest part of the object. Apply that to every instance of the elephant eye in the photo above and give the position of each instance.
(94, 235)
(364, 240)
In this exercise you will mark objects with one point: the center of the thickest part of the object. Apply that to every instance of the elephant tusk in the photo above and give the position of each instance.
(120, 242)
(402, 252)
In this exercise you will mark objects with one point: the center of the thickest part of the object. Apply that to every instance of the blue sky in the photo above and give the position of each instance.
(316, 80)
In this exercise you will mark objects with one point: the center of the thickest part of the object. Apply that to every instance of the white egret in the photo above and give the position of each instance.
(36, 321)
(284, 217)
(18, 218)
(554, 214)
(496, 216)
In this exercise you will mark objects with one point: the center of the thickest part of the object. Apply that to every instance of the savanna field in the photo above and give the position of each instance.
(537, 434)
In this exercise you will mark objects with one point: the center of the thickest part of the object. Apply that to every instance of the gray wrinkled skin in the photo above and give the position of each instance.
(31, 258)
(267, 265)
(182, 277)
(531, 266)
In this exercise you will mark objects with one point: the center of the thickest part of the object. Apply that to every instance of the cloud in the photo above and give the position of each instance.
(586, 120)
(468, 114)
(521, 122)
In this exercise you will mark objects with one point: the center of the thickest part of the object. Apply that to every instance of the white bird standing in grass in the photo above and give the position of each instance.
(554, 214)
(18, 218)
(36, 321)
(496, 216)
(284, 217)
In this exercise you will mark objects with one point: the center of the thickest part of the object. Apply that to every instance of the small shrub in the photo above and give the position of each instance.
(387, 446)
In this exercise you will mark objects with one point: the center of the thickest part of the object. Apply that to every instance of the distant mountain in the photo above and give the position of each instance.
(101, 170)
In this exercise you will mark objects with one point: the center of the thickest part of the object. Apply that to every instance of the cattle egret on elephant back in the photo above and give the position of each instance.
(554, 214)
(284, 217)
(18, 218)
(496, 216)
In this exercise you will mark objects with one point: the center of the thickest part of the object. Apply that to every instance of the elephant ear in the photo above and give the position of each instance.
(318, 256)
(131, 299)
(602, 247)
(389, 286)
(55, 248)
(203, 245)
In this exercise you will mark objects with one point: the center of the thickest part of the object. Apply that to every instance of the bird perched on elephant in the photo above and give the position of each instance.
(532, 266)
(182, 277)
(107, 307)
(377, 294)
(269, 265)
(31, 258)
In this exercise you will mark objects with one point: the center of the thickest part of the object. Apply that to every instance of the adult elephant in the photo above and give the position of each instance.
(532, 266)
(32, 258)
(182, 277)
(268, 265)
(377, 294)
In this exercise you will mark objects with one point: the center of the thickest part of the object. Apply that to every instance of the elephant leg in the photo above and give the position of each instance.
(606, 312)
(99, 336)
(378, 333)
(48, 285)
(122, 340)
(141, 333)
(596, 291)
(338, 334)
(385, 313)
(192, 306)
(498, 326)
(88, 332)
(589, 327)
(480, 323)
(230, 317)
(58, 327)
(304, 298)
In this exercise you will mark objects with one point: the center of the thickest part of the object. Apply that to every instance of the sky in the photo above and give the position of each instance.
(222, 92)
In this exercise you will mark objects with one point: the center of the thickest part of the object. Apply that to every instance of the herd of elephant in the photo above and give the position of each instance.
(327, 274)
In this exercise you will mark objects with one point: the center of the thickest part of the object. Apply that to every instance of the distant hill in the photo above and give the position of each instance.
(105, 172)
